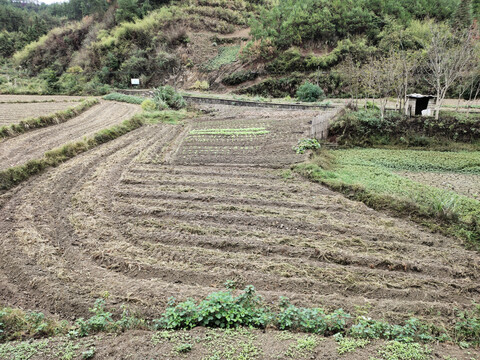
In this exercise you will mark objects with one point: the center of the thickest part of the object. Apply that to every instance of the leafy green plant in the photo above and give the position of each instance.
(183, 348)
(220, 309)
(306, 144)
(309, 92)
(467, 327)
(314, 320)
(394, 350)
(346, 344)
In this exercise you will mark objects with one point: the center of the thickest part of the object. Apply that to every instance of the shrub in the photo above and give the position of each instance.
(239, 77)
(200, 85)
(167, 95)
(310, 93)
(149, 105)
(306, 144)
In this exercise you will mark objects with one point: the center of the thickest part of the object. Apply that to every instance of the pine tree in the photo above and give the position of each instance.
(463, 16)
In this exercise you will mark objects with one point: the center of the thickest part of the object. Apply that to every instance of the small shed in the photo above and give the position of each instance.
(418, 104)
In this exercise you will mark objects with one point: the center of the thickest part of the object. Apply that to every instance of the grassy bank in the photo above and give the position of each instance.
(46, 120)
(367, 175)
(131, 99)
(13, 176)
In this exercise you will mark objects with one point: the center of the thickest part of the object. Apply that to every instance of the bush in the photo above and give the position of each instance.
(306, 144)
(149, 105)
(200, 85)
(239, 77)
(167, 95)
(309, 92)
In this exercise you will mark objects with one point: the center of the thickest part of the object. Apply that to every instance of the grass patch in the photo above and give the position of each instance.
(47, 120)
(226, 55)
(366, 175)
(231, 132)
(124, 98)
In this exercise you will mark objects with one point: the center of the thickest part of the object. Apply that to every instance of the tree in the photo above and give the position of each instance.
(447, 58)
(128, 10)
(463, 15)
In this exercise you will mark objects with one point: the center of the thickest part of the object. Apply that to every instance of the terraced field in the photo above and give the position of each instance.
(141, 219)
(177, 210)
(14, 113)
(33, 144)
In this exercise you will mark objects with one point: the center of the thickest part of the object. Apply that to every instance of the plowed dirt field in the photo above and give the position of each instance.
(14, 113)
(32, 145)
(153, 215)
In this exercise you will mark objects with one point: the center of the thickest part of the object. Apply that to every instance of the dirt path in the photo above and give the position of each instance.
(140, 219)
(32, 145)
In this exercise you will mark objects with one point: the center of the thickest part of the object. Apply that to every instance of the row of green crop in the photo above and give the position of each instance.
(224, 309)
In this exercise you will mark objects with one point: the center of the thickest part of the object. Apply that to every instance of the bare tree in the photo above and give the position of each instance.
(352, 72)
(447, 58)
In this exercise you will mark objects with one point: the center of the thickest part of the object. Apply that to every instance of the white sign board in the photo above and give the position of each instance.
(135, 81)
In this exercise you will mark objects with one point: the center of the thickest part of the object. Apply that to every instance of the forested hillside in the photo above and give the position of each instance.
(261, 47)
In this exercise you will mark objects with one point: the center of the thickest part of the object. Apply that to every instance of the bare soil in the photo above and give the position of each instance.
(153, 214)
(11, 113)
(32, 145)
(208, 344)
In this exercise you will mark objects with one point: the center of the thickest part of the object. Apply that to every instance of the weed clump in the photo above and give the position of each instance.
(124, 98)
(166, 96)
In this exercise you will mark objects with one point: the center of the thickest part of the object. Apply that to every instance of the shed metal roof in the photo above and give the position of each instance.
(420, 96)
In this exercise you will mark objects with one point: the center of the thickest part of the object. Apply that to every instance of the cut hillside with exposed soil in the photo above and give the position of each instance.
(32, 145)
(145, 218)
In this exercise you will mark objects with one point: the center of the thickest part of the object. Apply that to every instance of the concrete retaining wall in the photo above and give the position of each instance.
(208, 100)
(322, 121)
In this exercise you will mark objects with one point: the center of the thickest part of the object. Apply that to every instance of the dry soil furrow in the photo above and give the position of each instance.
(14, 113)
(34, 144)
(116, 219)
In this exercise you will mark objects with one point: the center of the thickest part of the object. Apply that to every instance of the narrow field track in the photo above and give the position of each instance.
(14, 113)
(139, 218)
(33, 144)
